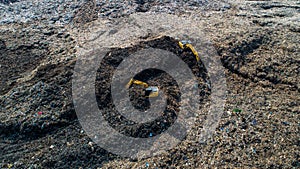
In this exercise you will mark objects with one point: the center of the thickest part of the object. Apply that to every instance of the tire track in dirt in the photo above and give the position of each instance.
(237, 56)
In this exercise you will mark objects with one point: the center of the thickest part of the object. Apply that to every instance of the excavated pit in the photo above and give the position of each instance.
(153, 77)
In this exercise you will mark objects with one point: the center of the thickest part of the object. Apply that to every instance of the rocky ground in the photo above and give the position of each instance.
(257, 42)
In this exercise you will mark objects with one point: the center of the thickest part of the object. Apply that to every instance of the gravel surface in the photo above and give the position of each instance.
(64, 11)
(52, 11)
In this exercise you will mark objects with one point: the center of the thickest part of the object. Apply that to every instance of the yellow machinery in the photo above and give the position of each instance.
(150, 91)
(187, 44)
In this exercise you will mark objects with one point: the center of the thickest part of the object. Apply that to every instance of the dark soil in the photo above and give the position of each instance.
(54, 79)
(257, 41)
(15, 62)
(151, 76)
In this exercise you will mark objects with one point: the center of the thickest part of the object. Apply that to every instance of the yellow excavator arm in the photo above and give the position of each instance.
(150, 91)
(153, 91)
(138, 82)
(184, 44)
(194, 51)
(181, 45)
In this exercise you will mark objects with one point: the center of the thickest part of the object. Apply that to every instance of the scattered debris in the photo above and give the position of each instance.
(254, 150)
(237, 110)
(254, 122)
(147, 164)
(9, 165)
